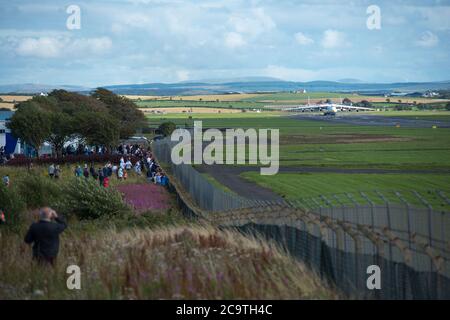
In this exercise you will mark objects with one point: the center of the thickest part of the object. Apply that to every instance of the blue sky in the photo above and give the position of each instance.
(141, 41)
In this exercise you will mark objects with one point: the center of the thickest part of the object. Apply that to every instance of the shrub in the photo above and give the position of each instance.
(88, 200)
(38, 191)
(166, 128)
(12, 204)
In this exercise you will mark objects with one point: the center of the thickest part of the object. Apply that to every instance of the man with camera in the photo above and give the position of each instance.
(44, 235)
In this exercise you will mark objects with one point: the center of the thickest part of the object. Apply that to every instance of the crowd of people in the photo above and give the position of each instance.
(145, 164)
(44, 234)
(122, 149)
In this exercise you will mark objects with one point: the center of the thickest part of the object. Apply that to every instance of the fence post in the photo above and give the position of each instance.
(430, 226)
(408, 211)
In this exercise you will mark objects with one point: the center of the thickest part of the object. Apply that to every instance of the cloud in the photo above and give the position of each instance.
(182, 75)
(234, 40)
(428, 39)
(292, 74)
(252, 23)
(41, 48)
(54, 47)
(302, 39)
(333, 39)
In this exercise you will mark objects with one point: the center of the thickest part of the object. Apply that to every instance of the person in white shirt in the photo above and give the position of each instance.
(137, 168)
(128, 165)
(51, 170)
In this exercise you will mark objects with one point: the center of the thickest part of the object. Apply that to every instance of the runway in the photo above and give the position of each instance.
(374, 120)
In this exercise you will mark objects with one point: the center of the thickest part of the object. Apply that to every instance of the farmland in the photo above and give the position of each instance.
(246, 101)
(8, 101)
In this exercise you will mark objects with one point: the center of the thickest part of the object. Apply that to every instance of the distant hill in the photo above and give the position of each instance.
(240, 85)
(350, 81)
(32, 88)
(233, 80)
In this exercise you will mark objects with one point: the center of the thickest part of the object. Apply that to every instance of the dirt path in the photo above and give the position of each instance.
(230, 177)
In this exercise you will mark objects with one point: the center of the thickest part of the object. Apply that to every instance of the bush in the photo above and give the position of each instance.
(88, 200)
(166, 128)
(38, 191)
(12, 204)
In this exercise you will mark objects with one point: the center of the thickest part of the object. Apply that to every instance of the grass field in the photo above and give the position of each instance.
(178, 110)
(211, 97)
(170, 262)
(199, 104)
(6, 105)
(251, 101)
(295, 186)
(13, 99)
(306, 143)
(312, 143)
(336, 97)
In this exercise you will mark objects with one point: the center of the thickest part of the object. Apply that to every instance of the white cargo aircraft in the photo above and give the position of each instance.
(328, 108)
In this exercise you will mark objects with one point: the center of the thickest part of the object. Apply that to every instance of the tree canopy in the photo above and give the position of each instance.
(123, 109)
(347, 102)
(31, 124)
(166, 128)
(100, 119)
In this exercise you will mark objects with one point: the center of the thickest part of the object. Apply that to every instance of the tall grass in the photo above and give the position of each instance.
(190, 262)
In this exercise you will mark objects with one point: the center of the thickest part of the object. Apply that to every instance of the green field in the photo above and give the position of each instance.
(287, 96)
(203, 104)
(305, 143)
(297, 186)
(312, 143)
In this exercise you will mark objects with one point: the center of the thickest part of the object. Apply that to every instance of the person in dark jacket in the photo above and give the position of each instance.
(44, 235)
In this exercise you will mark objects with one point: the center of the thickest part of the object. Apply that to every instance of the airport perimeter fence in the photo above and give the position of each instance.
(340, 236)
(208, 196)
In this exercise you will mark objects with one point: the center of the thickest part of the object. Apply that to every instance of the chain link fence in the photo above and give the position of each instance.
(205, 194)
(340, 236)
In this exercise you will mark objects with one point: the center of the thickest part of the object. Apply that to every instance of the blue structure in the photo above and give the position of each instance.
(7, 140)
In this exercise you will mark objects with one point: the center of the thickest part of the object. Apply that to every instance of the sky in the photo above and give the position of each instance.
(147, 41)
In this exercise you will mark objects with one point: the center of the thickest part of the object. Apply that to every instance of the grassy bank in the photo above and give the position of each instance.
(189, 262)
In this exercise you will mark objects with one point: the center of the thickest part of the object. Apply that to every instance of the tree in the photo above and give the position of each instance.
(166, 128)
(62, 130)
(447, 107)
(124, 110)
(98, 128)
(365, 104)
(31, 124)
(347, 102)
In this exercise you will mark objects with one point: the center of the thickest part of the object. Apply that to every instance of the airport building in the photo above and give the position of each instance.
(7, 140)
